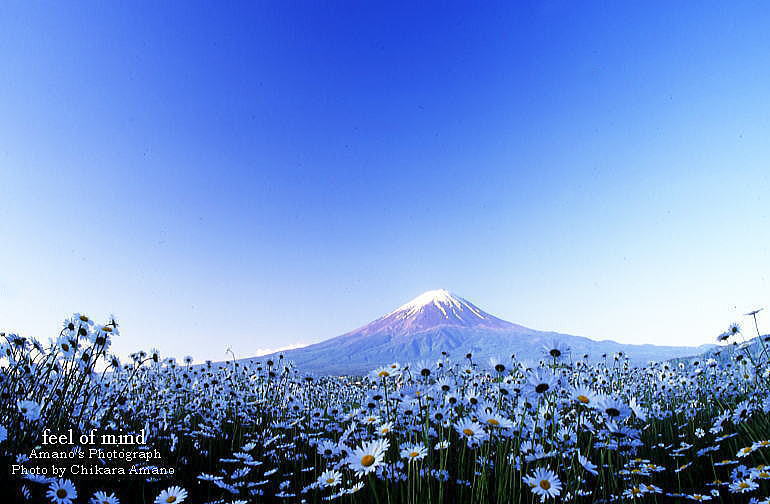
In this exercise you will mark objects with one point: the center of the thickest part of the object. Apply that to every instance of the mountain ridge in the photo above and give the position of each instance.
(439, 321)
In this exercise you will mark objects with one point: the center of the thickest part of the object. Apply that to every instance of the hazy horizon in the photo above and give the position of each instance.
(258, 176)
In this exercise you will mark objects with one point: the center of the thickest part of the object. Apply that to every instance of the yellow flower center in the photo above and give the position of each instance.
(83, 318)
(61, 493)
(746, 450)
(330, 480)
(545, 484)
(383, 373)
(413, 454)
(583, 399)
(743, 484)
(764, 475)
(367, 460)
(107, 329)
(492, 421)
(467, 432)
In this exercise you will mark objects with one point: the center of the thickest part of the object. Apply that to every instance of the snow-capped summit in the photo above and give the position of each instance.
(442, 299)
(432, 309)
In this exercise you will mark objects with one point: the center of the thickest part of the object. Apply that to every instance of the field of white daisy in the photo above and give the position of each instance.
(566, 429)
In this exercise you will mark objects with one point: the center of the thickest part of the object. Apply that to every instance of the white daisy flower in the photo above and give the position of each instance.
(367, 457)
(330, 478)
(470, 430)
(61, 491)
(413, 452)
(103, 498)
(171, 495)
(544, 483)
(385, 372)
(385, 428)
(743, 486)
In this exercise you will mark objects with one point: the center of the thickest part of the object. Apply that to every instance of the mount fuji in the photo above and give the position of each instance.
(438, 321)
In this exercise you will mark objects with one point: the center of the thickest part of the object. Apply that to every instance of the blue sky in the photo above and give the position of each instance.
(262, 174)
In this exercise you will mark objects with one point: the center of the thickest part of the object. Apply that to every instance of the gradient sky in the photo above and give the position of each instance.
(263, 174)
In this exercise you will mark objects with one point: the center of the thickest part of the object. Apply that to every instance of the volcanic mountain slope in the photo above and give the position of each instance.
(438, 321)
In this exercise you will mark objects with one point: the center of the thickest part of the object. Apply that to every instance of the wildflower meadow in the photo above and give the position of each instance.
(569, 428)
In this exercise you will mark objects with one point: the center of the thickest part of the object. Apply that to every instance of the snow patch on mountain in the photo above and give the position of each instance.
(267, 351)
